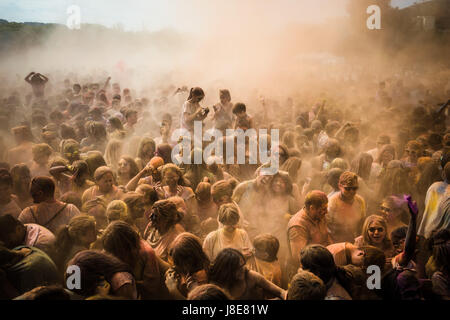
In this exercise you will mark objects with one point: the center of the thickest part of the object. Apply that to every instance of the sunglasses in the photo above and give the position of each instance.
(372, 230)
(350, 188)
(385, 209)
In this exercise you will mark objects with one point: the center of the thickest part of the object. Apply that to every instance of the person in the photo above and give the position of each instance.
(99, 270)
(72, 238)
(123, 241)
(346, 210)
(37, 82)
(146, 151)
(162, 228)
(438, 192)
(150, 174)
(382, 141)
(189, 265)
(113, 153)
(222, 192)
(47, 211)
(266, 261)
(24, 268)
(41, 155)
(205, 207)
(127, 169)
(14, 233)
(333, 176)
(103, 188)
(116, 210)
(21, 176)
(192, 111)
(243, 120)
(385, 155)
(228, 236)
(208, 292)
(229, 272)
(96, 137)
(318, 260)
(80, 177)
(223, 111)
(306, 285)
(22, 153)
(135, 210)
(8, 201)
(131, 117)
(173, 184)
(375, 233)
(440, 256)
(395, 210)
(346, 253)
(308, 226)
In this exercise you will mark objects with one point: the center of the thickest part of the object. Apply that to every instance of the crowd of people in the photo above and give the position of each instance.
(90, 187)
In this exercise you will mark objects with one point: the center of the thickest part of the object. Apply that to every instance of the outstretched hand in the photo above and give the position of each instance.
(412, 205)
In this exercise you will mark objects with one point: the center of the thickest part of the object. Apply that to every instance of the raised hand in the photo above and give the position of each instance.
(412, 205)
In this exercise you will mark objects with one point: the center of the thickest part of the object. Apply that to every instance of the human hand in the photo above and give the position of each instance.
(172, 280)
(412, 206)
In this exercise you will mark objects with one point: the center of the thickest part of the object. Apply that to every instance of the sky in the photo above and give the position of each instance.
(182, 15)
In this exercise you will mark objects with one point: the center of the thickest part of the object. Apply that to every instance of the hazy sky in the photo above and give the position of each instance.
(185, 15)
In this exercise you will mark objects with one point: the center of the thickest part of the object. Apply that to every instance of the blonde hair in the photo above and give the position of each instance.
(113, 153)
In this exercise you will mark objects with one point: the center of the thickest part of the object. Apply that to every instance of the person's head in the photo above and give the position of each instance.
(333, 176)
(96, 130)
(208, 292)
(221, 192)
(94, 161)
(228, 268)
(228, 215)
(104, 179)
(383, 140)
(42, 189)
(171, 175)
(348, 185)
(12, 231)
(164, 215)
(164, 150)
(196, 95)
(266, 247)
(362, 165)
(316, 204)
(123, 241)
(203, 192)
(116, 210)
(114, 123)
(6, 185)
(146, 149)
(386, 154)
(339, 163)
(394, 209)
(239, 109)
(95, 268)
(187, 255)
(281, 184)
(317, 259)
(128, 166)
(374, 232)
(70, 150)
(373, 256)
(131, 116)
(413, 150)
(135, 203)
(332, 149)
(149, 193)
(80, 230)
(306, 285)
(398, 237)
(225, 96)
(345, 253)
(21, 176)
(292, 166)
(41, 153)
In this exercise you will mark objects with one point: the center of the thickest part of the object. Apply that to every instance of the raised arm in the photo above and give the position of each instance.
(410, 242)
(27, 78)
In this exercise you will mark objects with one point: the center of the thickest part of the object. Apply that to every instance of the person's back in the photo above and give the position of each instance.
(33, 270)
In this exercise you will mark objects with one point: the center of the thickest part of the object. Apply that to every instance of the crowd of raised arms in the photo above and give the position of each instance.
(95, 205)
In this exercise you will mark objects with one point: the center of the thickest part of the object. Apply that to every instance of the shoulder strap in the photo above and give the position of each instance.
(56, 214)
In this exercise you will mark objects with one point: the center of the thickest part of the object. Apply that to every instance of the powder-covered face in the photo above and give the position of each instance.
(376, 232)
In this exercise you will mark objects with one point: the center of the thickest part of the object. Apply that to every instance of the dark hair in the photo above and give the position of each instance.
(94, 161)
(187, 254)
(333, 177)
(373, 256)
(115, 123)
(315, 198)
(44, 184)
(168, 210)
(46, 293)
(131, 199)
(286, 179)
(195, 92)
(239, 107)
(8, 225)
(208, 292)
(96, 266)
(122, 240)
(306, 285)
(134, 170)
(398, 234)
(224, 267)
